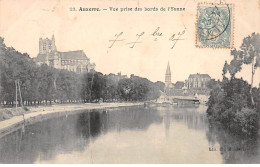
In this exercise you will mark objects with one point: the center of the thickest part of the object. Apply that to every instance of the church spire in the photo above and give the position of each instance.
(168, 80)
(168, 70)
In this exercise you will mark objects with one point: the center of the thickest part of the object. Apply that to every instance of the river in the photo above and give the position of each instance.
(174, 134)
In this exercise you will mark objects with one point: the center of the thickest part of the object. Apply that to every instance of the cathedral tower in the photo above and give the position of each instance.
(47, 45)
(53, 46)
(168, 80)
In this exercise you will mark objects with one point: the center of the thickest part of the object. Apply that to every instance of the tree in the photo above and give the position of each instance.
(110, 89)
(251, 51)
(160, 85)
(248, 55)
(125, 88)
(45, 83)
(230, 104)
(98, 86)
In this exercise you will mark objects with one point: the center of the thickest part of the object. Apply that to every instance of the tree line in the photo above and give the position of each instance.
(47, 85)
(234, 102)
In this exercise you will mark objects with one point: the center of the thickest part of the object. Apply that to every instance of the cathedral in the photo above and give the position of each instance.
(75, 61)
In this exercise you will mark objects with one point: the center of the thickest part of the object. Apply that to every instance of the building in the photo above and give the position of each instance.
(197, 81)
(76, 61)
(195, 84)
(168, 79)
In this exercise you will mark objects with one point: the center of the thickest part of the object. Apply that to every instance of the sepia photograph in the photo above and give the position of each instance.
(129, 82)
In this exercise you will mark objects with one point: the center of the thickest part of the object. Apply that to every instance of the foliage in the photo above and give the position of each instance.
(230, 104)
(249, 54)
(45, 84)
(234, 102)
(160, 85)
(245, 121)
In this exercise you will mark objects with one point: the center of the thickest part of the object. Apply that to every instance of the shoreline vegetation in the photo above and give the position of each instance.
(16, 119)
(234, 103)
(42, 84)
(40, 91)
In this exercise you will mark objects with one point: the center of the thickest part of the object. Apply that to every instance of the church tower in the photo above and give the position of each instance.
(47, 45)
(53, 46)
(168, 80)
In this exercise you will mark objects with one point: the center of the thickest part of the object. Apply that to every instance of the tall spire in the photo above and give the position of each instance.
(168, 80)
(168, 70)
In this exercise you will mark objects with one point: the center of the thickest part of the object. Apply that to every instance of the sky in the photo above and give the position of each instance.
(23, 22)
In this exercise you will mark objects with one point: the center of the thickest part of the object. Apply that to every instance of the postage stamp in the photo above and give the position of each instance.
(214, 28)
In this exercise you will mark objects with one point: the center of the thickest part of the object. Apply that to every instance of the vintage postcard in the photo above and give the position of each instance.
(129, 82)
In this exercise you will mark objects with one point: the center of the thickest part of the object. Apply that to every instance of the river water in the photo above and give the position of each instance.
(128, 135)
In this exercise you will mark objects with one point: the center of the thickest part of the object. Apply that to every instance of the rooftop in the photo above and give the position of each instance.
(77, 54)
(198, 75)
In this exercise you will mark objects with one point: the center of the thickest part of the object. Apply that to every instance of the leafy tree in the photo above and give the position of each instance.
(251, 51)
(249, 55)
(232, 102)
(110, 92)
(44, 83)
(125, 89)
(160, 85)
(228, 103)
(98, 86)
(46, 79)
(211, 84)
(85, 87)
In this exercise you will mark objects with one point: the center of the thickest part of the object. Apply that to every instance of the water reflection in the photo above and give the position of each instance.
(234, 149)
(194, 117)
(179, 134)
(72, 133)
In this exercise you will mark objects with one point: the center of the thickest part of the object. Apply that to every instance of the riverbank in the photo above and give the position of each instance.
(36, 114)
